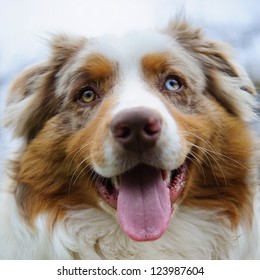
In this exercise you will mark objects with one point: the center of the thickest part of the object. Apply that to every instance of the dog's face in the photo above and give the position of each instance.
(134, 125)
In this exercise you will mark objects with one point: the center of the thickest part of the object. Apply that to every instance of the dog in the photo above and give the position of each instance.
(131, 147)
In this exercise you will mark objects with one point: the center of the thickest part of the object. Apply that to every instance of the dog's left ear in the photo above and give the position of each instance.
(226, 80)
(32, 98)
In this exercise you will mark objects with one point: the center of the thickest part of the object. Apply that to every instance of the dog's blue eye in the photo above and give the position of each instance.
(172, 84)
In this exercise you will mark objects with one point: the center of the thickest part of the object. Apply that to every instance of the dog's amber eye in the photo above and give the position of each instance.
(87, 95)
(173, 84)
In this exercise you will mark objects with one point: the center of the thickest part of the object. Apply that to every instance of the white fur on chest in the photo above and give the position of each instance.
(193, 234)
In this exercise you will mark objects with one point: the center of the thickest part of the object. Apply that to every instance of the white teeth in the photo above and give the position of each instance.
(115, 182)
(167, 179)
(169, 176)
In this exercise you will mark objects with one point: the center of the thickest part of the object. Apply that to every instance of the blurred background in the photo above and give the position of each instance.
(26, 25)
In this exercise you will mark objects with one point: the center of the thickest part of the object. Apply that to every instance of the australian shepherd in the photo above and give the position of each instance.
(131, 147)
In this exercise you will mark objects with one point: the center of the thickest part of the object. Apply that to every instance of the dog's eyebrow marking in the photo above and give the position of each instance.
(155, 63)
(164, 63)
(97, 67)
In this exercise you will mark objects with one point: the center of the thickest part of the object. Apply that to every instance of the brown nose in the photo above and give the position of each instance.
(136, 129)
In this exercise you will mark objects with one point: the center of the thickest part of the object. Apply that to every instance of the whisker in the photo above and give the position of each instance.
(194, 158)
(72, 184)
(73, 180)
(207, 155)
(211, 149)
(76, 153)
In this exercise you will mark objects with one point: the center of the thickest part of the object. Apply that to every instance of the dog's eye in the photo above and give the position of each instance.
(172, 84)
(87, 95)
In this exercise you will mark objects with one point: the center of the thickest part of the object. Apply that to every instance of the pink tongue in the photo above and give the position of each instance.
(143, 205)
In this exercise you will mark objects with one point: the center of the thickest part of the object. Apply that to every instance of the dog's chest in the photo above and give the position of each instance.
(196, 234)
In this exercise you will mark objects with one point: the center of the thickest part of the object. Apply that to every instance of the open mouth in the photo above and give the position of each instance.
(144, 198)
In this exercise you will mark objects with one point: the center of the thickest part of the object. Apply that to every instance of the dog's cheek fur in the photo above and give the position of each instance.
(56, 172)
(218, 175)
(50, 180)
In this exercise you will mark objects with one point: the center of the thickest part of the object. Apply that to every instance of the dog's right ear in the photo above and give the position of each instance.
(32, 100)
(227, 81)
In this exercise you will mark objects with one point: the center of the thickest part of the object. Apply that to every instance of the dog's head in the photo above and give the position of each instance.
(134, 125)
